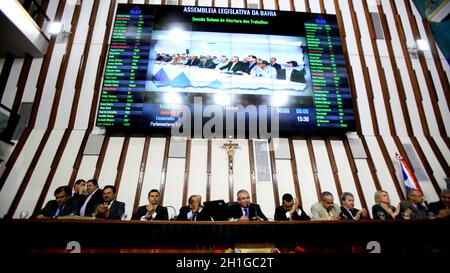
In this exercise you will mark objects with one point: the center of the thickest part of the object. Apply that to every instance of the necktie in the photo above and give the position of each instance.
(246, 212)
(194, 217)
(58, 211)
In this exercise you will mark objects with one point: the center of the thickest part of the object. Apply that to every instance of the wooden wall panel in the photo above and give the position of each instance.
(100, 22)
(242, 179)
(39, 175)
(344, 171)
(152, 176)
(19, 170)
(64, 170)
(367, 183)
(130, 174)
(219, 171)
(11, 85)
(173, 193)
(305, 175)
(197, 171)
(383, 174)
(285, 179)
(325, 172)
(111, 161)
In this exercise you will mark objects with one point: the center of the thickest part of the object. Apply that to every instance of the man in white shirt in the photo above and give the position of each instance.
(94, 198)
(264, 70)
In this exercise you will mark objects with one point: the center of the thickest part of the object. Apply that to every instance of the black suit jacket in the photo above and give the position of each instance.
(71, 207)
(237, 67)
(346, 213)
(280, 214)
(116, 210)
(435, 207)
(92, 204)
(161, 213)
(418, 211)
(248, 68)
(296, 76)
(254, 211)
(202, 216)
(276, 66)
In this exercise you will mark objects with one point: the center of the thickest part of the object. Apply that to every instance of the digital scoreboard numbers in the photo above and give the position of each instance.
(332, 97)
(122, 95)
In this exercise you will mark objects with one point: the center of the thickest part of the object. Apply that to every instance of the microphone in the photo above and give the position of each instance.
(256, 217)
(174, 213)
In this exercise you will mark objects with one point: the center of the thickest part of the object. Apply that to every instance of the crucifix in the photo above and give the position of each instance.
(230, 147)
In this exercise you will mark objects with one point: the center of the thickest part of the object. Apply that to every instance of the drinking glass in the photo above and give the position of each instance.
(23, 214)
(406, 216)
(381, 215)
(123, 216)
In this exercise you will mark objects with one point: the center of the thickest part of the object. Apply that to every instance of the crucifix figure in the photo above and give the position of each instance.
(231, 147)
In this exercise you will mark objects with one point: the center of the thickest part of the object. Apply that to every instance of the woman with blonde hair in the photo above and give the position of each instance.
(383, 208)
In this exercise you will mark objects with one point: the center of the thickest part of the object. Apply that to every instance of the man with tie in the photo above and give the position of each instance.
(348, 209)
(274, 64)
(61, 206)
(233, 66)
(413, 208)
(111, 208)
(151, 211)
(243, 210)
(194, 211)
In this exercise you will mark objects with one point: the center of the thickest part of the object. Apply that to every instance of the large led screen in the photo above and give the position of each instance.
(165, 60)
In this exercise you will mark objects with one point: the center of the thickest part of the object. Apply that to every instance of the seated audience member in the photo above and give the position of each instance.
(152, 211)
(194, 211)
(292, 73)
(274, 64)
(234, 65)
(348, 208)
(61, 206)
(79, 190)
(244, 210)
(325, 209)
(263, 70)
(93, 199)
(206, 63)
(193, 61)
(413, 207)
(290, 210)
(383, 208)
(441, 208)
(111, 208)
(250, 64)
(223, 62)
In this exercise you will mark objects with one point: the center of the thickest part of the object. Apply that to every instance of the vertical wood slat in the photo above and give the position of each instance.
(348, 65)
(43, 142)
(102, 61)
(79, 157)
(273, 164)
(426, 165)
(295, 172)
(390, 167)
(122, 158)
(365, 70)
(53, 168)
(141, 174)
(322, 6)
(101, 156)
(4, 75)
(24, 72)
(307, 6)
(187, 166)
(252, 170)
(312, 159)
(208, 171)
(411, 71)
(354, 169)
(427, 75)
(394, 66)
(441, 159)
(162, 186)
(372, 168)
(334, 168)
(291, 5)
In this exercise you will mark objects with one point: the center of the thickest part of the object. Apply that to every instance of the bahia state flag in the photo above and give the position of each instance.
(408, 177)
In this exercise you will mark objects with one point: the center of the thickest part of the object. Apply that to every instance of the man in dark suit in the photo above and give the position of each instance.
(79, 190)
(111, 208)
(92, 200)
(193, 61)
(194, 211)
(348, 208)
(244, 210)
(441, 208)
(413, 208)
(233, 66)
(61, 206)
(250, 64)
(273, 63)
(291, 73)
(290, 210)
(152, 211)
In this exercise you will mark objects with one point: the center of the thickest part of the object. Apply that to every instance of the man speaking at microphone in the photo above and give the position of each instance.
(246, 211)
